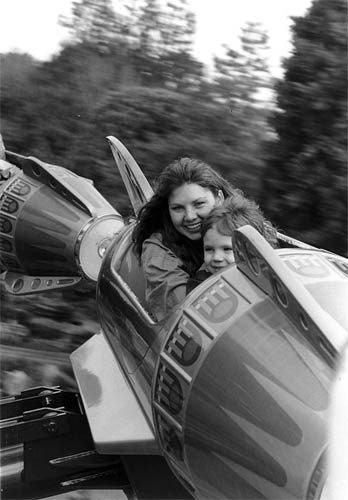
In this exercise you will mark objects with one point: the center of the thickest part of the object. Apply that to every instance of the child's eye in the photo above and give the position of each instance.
(199, 203)
(208, 249)
(228, 249)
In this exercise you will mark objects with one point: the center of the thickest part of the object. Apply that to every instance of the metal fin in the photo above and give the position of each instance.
(260, 263)
(138, 187)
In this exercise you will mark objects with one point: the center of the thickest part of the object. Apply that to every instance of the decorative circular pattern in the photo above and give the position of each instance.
(175, 397)
(183, 347)
(36, 282)
(52, 183)
(5, 225)
(190, 352)
(36, 170)
(280, 293)
(9, 205)
(20, 188)
(169, 392)
(252, 259)
(238, 247)
(303, 321)
(18, 285)
(224, 309)
(174, 445)
(5, 245)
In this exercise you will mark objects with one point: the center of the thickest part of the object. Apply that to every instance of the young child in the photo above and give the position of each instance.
(217, 230)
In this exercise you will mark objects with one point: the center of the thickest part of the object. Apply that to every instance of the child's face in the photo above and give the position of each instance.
(218, 250)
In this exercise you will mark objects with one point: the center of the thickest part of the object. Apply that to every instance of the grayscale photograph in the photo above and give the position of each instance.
(173, 250)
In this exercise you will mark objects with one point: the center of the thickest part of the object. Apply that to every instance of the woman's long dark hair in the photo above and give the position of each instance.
(154, 216)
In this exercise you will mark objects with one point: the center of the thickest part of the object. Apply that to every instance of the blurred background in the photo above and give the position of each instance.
(132, 69)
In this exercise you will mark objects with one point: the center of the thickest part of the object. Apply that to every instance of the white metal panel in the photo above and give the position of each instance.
(117, 422)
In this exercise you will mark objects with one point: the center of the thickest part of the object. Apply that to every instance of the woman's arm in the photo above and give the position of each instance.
(165, 277)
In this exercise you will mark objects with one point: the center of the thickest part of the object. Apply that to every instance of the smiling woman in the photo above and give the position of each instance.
(188, 205)
(167, 236)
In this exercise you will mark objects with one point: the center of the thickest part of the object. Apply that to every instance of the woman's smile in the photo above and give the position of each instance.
(193, 227)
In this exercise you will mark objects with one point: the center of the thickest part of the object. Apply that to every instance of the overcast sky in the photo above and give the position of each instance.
(32, 25)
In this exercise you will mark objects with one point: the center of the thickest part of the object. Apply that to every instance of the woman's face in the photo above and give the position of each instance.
(188, 205)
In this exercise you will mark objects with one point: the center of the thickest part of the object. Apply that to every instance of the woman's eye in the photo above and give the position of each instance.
(176, 209)
(228, 249)
(199, 203)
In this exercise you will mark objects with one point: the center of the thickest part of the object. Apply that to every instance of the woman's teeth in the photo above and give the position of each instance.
(193, 227)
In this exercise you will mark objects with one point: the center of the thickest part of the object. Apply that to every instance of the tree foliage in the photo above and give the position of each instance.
(243, 75)
(131, 73)
(159, 125)
(150, 40)
(242, 82)
(95, 24)
(147, 89)
(305, 188)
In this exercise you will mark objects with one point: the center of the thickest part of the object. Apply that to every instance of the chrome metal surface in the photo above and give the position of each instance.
(117, 422)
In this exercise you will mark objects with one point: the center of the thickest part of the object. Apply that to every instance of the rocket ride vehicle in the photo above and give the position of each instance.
(228, 398)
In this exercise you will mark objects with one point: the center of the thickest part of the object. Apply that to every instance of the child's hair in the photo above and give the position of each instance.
(237, 211)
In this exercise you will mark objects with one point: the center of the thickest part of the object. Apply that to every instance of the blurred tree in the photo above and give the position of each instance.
(43, 120)
(95, 23)
(100, 39)
(159, 125)
(178, 26)
(149, 41)
(242, 76)
(305, 185)
(16, 72)
(243, 83)
(162, 45)
(16, 96)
